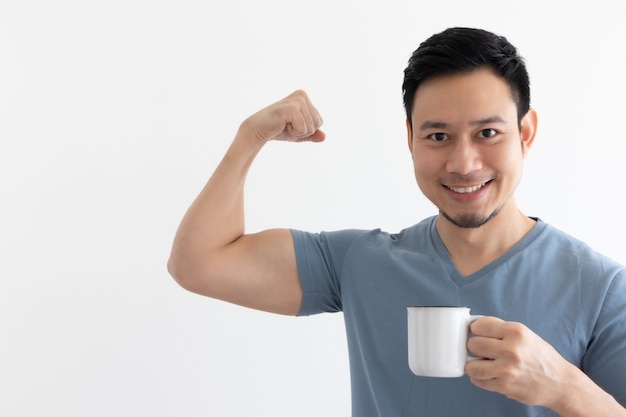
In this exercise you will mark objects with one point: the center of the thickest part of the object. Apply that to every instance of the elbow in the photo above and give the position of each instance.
(192, 275)
(174, 269)
(180, 270)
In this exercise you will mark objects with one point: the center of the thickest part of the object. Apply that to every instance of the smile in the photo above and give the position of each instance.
(466, 190)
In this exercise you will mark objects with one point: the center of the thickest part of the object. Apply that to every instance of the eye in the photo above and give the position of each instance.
(438, 137)
(487, 133)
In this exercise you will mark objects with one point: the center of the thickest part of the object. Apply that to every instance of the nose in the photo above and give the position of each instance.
(464, 157)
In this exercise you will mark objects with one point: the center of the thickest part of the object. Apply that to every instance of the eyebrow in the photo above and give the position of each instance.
(435, 124)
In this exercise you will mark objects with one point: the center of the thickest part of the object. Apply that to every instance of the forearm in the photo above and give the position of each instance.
(581, 397)
(216, 217)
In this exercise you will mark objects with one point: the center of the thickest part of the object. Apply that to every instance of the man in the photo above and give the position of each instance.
(554, 335)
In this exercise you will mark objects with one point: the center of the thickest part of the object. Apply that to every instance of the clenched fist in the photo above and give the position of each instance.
(292, 119)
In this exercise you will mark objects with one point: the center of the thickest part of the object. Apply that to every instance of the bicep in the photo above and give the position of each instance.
(258, 271)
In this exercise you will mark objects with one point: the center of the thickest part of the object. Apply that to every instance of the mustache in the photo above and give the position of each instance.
(454, 178)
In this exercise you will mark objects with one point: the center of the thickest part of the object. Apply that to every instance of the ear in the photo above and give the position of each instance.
(409, 134)
(528, 130)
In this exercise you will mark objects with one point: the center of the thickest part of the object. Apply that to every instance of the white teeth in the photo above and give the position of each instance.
(466, 190)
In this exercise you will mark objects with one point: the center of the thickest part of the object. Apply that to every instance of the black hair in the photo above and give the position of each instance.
(463, 50)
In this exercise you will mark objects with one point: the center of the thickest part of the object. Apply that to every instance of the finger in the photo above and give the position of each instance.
(510, 386)
(489, 327)
(480, 369)
(317, 136)
(297, 126)
(299, 120)
(312, 118)
(316, 118)
(305, 126)
(484, 347)
(488, 384)
(309, 111)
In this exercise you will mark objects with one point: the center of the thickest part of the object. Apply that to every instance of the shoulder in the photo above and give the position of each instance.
(364, 237)
(573, 253)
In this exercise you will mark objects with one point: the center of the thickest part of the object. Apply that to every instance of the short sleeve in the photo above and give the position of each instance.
(319, 257)
(605, 359)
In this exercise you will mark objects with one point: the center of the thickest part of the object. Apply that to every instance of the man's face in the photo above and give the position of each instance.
(467, 146)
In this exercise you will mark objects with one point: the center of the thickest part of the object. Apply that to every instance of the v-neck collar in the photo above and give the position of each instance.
(461, 280)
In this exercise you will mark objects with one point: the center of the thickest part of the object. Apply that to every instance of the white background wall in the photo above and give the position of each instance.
(113, 115)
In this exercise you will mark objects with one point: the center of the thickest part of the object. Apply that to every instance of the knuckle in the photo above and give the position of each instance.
(512, 355)
(292, 106)
(509, 373)
(516, 330)
(299, 93)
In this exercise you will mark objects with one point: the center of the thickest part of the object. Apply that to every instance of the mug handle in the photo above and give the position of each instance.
(471, 320)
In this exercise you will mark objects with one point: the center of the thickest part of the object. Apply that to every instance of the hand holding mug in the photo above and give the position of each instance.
(521, 364)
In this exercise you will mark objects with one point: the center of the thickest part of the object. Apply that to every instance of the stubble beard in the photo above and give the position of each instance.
(470, 221)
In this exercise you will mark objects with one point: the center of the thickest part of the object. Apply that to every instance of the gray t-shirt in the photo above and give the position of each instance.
(571, 296)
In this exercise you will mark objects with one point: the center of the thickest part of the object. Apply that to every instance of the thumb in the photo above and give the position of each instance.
(318, 136)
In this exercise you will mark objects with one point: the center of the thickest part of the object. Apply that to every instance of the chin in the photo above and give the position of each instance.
(469, 221)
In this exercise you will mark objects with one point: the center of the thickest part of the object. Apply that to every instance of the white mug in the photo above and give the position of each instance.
(437, 338)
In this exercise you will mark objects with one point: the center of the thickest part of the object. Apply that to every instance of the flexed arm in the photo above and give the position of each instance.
(211, 254)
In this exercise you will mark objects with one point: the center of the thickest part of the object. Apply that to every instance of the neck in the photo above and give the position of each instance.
(473, 248)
